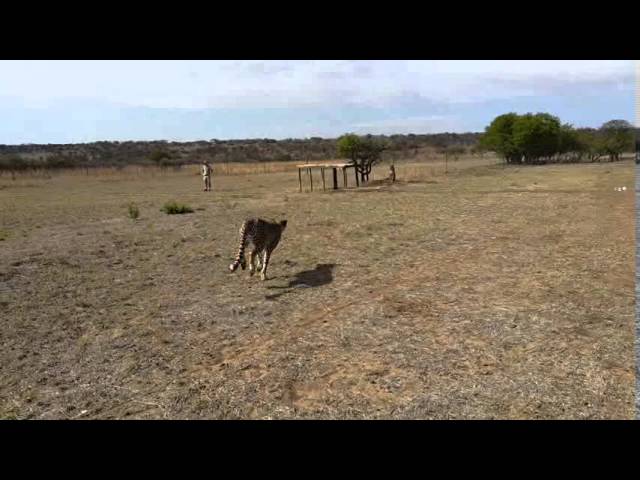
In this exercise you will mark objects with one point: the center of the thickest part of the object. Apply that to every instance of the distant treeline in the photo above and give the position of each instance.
(168, 154)
(505, 136)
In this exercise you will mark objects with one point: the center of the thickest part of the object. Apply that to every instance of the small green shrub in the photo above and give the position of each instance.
(133, 211)
(173, 207)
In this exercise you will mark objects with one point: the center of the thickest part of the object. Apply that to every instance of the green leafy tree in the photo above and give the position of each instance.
(617, 137)
(349, 146)
(536, 136)
(591, 143)
(570, 148)
(364, 152)
(498, 137)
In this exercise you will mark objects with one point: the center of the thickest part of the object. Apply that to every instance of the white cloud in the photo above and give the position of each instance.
(266, 84)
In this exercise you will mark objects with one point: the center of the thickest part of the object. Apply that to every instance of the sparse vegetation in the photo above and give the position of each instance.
(133, 210)
(172, 208)
(441, 302)
(450, 152)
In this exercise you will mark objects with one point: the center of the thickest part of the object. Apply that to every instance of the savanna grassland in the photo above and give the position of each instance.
(491, 291)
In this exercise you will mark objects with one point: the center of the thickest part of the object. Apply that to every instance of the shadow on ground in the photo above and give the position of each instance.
(321, 275)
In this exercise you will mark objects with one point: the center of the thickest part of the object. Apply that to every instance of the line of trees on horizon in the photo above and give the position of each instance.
(529, 139)
(174, 154)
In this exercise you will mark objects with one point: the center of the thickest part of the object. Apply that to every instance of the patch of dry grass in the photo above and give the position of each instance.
(230, 168)
(135, 172)
(490, 292)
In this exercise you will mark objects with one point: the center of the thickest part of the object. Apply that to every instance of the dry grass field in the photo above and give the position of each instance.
(489, 292)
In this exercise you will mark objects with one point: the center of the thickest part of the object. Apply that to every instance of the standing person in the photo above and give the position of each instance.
(206, 175)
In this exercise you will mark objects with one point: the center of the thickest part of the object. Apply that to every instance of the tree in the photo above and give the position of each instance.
(498, 137)
(363, 152)
(160, 157)
(617, 138)
(537, 136)
(569, 147)
(591, 143)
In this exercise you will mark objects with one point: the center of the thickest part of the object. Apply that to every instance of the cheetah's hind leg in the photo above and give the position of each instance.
(258, 261)
(265, 264)
(252, 258)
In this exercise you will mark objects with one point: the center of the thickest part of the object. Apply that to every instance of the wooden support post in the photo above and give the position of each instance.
(357, 180)
(344, 177)
(310, 179)
(300, 178)
(335, 178)
(322, 173)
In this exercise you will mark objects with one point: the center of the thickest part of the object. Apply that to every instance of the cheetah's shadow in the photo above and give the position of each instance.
(321, 275)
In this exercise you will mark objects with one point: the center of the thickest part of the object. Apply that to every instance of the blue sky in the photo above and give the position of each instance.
(84, 101)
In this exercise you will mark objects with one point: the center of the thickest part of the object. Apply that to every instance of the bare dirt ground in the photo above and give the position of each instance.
(490, 292)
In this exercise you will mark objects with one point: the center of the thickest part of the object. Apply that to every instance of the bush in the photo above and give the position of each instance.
(161, 158)
(60, 161)
(14, 163)
(541, 138)
(133, 211)
(173, 207)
